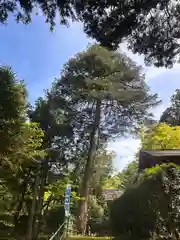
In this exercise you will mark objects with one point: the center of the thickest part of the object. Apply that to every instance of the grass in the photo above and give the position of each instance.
(88, 238)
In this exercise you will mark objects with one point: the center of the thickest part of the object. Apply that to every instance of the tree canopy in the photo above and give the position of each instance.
(149, 27)
(161, 137)
(21, 143)
(12, 111)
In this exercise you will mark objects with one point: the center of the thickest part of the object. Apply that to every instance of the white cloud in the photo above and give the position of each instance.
(150, 72)
(125, 150)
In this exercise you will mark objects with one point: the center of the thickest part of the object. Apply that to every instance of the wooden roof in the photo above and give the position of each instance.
(111, 194)
(174, 152)
(150, 158)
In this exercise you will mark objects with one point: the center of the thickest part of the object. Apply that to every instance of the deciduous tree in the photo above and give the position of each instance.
(17, 182)
(161, 137)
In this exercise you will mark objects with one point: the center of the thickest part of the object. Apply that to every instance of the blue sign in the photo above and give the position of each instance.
(67, 199)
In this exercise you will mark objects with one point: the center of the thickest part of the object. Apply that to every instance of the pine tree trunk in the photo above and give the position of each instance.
(44, 170)
(82, 215)
(33, 209)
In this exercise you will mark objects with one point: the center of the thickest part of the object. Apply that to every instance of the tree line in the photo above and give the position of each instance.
(99, 95)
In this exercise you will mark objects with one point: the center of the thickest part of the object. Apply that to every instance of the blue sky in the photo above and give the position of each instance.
(37, 56)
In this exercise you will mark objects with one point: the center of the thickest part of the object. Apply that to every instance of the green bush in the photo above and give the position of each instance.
(151, 208)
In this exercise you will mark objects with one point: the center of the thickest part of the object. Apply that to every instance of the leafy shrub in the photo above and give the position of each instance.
(151, 208)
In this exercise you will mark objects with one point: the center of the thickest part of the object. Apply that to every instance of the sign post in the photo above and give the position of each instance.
(67, 207)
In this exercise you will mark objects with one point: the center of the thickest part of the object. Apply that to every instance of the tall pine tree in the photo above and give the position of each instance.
(106, 96)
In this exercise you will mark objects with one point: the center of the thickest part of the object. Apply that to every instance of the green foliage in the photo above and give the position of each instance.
(12, 111)
(131, 21)
(171, 115)
(13, 94)
(98, 222)
(22, 10)
(129, 174)
(110, 22)
(150, 209)
(113, 182)
(102, 170)
(100, 94)
(123, 179)
(111, 78)
(20, 149)
(161, 137)
(17, 180)
(147, 173)
(57, 188)
(32, 139)
(95, 209)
